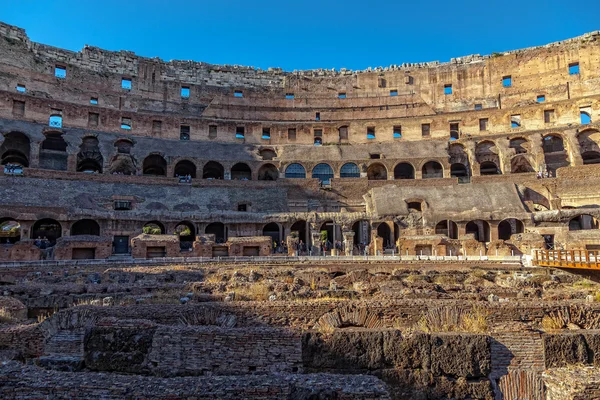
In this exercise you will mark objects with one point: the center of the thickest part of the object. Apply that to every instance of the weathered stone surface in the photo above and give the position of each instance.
(460, 355)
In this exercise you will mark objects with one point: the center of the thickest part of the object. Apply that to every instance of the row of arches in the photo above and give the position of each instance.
(375, 171)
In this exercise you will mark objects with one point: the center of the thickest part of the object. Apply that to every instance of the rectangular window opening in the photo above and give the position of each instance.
(18, 108)
(541, 98)
(483, 124)
(397, 132)
(454, 131)
(239, 132)
(342, 95)
(94, 101)
(126, 83)
(425, 130)
(343, 132)
(292, 134)
(266, 133)
(185, 92)
(289, 96)
(393, 92)
(507, 81)
(448, 89)
(56, 118)
(60, 71)
(238, 93)
(375, 156)
(156, 126)
(242, 207)
(93, 119)
(184, 132)
(21, 88)
(126, 123)
(317, 116)
(574, 68)
(122, 205)
(515, 121)
(548, 116)
(212, 131)
(371, 132)
(478, 107)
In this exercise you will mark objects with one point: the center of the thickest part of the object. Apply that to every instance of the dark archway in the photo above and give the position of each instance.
(350, 170)
(46, 228)
(362, 234)
(155, 165)
(53, 152)
(85, 227)
(460, 171)
(432, 169)
(327, 227)
(591, 157)
(217, 229)
(272, 230)
(480, 230)
(583, 222)
(268, 172)
(384, 231)
(555, 154)
(187, 234)
(404, 171)
(10, 231)
(376, 172)
(295, 171)
(213, 170)
(241, 172)
(323, 172)
(185, 168)
(154, 228)
(89, 158)
(509, 227)
(447, 228)
(300, 227)
(489, 168)
(268, 154)
(15, 149)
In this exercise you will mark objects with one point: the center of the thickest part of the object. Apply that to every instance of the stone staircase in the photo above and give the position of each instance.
(64, 351)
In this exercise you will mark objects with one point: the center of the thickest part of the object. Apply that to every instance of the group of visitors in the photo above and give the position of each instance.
(13, 169)
(280, 248)
(184, 178)
(545, 174)
(42, 243)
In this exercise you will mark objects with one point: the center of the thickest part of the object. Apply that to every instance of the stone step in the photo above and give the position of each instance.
(68, 363)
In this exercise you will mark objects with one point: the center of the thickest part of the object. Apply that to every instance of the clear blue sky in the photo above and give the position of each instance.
(302, 34)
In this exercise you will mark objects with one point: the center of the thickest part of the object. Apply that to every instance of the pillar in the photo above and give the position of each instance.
(316, 241)
(348, 242)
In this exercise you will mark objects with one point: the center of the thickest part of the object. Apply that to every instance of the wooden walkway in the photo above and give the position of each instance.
(577, 259)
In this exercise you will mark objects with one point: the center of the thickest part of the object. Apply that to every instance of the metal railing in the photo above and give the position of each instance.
(256, 259)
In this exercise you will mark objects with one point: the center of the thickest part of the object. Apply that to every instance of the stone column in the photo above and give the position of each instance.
(316, 241)
(348, 242)
(34, 155)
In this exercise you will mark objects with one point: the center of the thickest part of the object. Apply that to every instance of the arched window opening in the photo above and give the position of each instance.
(586, 118)
(384, 232)
(54, 141)
(519, 145)
(155, 165)
(591, 157)
(53, 152)
(323, 172)
(185, 168)
(404, 171)
(241, 172)
(272, 230)
(85, 227)
(520, 164)
(376, 172)
(89, 158)
(10, 231)
(432, 169)
(123, 146)
(460, 171)
(553, 144)
(300, 227)
(509, 227)
(479, 229)
(489, 168)
(555, 154)
(583, 222)
(349, 170)
(217, 229)
(15, 149)
(154, 228)
(447, 228)
(414, 206)
(186, 232)
(213, 170)
(295, 171)
(47, 230)
(268, 172)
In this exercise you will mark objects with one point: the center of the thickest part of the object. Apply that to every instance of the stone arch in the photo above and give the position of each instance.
(520, 164)
(272, 230)
(508, 227)
(480, 230)
(10, 231)
(47, 228)
(213, 170)
(460, 171)
(267, 154)
(300, 227)
(241, 171)
(15, 149)
(590, 157)
(432, 169)
(350, 170)
(217, 229)
(123, 163)
(385, 232)
(154, 228)
(89, 158)
(583, 222)
(489, 168)
(53, 152)
(377, 172)
(85, 227)
(268, 172)
(519, 144)
(185, 168)
(349, 316)
(323, 172)
(295, 170)
(589, 145)
(404, 170)
(555, 153)
(154, 165)
(486, 154)
(447, 228)
(186, 231)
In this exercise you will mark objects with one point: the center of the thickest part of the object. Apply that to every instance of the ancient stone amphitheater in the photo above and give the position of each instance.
(183, 230)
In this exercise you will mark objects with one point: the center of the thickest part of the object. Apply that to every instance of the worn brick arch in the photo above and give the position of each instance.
(349, 316)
